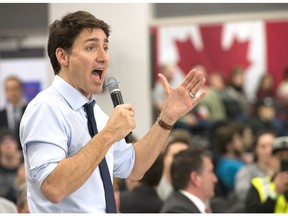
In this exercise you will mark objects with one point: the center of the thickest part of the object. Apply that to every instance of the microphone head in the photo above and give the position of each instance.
(113, 84)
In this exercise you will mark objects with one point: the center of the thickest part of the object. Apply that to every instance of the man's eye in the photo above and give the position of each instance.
(89, 48)
(106, 48)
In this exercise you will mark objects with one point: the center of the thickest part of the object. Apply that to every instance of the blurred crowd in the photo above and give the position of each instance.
(13, 194)
(228, 155)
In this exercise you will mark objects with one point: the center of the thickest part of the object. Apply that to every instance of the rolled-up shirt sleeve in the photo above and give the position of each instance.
(46, 141)
(124, 159)
(43, 159)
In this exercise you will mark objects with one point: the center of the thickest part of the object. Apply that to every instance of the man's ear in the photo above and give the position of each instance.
(62, 56)
(195, 178)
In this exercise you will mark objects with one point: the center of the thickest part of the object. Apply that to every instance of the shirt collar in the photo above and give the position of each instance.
(200, 205)
(73, 97)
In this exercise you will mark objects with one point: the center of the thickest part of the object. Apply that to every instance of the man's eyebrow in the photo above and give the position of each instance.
(96, 40)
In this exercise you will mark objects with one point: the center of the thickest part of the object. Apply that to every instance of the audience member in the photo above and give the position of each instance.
(193, 181)
(282, 100)
(11, 115)
(234, 98)
(269, 194)
(178, 140)
(266, 87)
(20, 177)
(229, 146)
(130, 184)
(10, 160)
(245, 135)
(22, 204)
(265, 117)
(144, 198)
(282, 89)
(173, 76)
(261, 167)
(213, 101)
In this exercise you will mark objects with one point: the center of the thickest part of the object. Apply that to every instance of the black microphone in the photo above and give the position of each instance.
(113, 86)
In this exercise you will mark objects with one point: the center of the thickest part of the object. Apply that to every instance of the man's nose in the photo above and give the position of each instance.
(102, 56)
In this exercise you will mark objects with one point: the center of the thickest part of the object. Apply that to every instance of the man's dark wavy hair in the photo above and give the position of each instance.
(62, 33)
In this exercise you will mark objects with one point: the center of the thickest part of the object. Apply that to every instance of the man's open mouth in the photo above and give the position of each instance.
(98, 72)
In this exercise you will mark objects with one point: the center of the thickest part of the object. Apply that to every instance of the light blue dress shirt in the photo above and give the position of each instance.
(54, 127)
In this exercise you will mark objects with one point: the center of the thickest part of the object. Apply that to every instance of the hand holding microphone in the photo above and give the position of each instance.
(113, 86)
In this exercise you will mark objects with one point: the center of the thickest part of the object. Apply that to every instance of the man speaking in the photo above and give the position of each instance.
(72, 149)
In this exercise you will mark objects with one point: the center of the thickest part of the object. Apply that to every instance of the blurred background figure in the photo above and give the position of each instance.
(261, 167)
(10, 160)
(282, 89)
(282, 100)
(193, 181)
(270, 194)
(235, 101)
(229, 149)
(22, 204)
(174, 78)
(266, 87)
(178, 140)
(265, 117)
(247, 138)
(6, 206)
(143, 198)
(21, 187)
(213, 101)
(11, 115)
(129, 184)
(116, 187)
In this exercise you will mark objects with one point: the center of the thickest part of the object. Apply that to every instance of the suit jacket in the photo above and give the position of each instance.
(178, 203)
(142, 199)
(4, 122)
(3, 119)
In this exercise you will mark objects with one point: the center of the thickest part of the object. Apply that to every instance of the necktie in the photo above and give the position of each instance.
(15, 119)
(104, 172)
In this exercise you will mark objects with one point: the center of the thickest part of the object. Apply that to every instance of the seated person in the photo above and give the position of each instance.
(261, 167)
(143, 198)
(269, 194)
(229, 147)
(193, 181)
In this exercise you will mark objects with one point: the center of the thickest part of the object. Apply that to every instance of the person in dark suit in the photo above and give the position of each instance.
(11, 115)
(193, 181)
(143, 198)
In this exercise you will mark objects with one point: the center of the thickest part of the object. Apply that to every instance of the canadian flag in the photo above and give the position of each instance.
(257, 46)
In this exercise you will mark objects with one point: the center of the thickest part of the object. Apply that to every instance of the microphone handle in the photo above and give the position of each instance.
(117, 99)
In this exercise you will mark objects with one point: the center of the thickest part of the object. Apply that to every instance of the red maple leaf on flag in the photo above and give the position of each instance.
(213, 56)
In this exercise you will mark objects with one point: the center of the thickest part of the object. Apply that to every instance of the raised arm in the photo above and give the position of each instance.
(177, 102)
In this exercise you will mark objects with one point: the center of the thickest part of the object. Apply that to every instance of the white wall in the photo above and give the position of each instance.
(129, 53)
